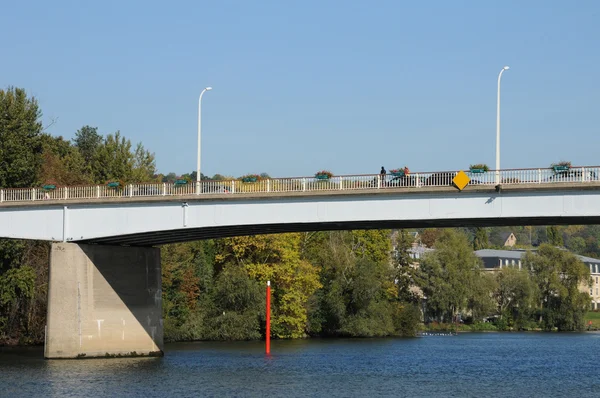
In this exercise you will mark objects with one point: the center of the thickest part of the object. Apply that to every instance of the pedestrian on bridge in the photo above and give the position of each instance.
(382, 174)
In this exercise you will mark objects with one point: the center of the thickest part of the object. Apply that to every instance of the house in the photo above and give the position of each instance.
(508, 239)
(494, 260)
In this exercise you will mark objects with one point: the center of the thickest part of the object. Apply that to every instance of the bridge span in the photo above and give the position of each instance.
(104, 295)
(156, 214)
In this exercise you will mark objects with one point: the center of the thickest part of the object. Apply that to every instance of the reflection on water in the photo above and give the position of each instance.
(468, 365)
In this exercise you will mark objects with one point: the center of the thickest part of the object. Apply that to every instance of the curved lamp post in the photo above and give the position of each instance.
(498, 128)
(199, 138)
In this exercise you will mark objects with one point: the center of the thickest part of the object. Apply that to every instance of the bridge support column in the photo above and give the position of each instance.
(104, 301)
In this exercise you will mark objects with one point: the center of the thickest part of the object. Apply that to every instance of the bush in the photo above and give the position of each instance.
(484, 327)
(408, 320)
(480, 166)
(327, 173)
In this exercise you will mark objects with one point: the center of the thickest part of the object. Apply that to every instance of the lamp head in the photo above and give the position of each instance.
(506, 68)
(210, 88)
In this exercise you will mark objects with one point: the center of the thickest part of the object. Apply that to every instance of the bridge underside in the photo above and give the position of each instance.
(190, 234)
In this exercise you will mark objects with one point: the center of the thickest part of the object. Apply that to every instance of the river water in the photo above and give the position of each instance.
(467, 365)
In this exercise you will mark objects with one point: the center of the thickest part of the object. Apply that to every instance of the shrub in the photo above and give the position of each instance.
(250, 178)
(564, 163)
(480, 166)
(321, 173)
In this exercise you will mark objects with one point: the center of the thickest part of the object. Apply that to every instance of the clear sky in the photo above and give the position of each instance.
(301, 86)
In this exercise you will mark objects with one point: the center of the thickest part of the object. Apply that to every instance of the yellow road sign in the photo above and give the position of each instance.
(461, 180)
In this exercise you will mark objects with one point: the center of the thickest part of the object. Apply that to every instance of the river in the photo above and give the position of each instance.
(467, 365)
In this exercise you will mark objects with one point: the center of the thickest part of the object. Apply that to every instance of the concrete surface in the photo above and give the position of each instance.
(104, 301)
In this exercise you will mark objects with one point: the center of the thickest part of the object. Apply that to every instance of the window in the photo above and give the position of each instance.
(596, 268)
(506, 262)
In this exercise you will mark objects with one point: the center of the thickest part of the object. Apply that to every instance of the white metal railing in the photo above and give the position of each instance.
(574, 175)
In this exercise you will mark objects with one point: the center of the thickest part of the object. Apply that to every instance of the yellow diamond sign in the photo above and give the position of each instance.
(461, 180)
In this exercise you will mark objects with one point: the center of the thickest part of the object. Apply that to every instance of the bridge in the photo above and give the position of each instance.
(105, 290)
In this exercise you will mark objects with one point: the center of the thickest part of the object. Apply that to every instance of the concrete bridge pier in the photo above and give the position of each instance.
(104, 301)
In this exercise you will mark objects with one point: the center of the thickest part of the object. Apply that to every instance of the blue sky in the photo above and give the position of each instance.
(303, 86)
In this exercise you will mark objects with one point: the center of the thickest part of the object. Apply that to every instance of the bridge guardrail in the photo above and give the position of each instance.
(304, 184)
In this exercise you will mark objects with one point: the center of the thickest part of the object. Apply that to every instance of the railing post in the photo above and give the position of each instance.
(583, 174)
(341, 183)
(130, 190)
(417, 181)
(164, 189)
(233, 186)
(98, 191)
(32, 193)
(66, 195)
(268, 185)
(1, 195)
(539, 176)
(378, 181)
(304, 184)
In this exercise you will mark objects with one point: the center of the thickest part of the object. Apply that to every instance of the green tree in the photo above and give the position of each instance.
(144, 165)
(577, 244)
(481, 239)
(555, 237)
(238, 306)
(559, 275)
(114, 159)
(20, 143)
(515, 294)
(449, 276)
(405, 268)
(88, 141)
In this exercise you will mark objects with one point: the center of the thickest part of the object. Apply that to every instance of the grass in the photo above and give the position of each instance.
(594, 317)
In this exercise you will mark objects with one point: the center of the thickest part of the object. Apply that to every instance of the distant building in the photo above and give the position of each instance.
(508, 239)
(417, 251)
(494, 260)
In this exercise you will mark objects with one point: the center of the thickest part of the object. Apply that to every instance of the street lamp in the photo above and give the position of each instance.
(498, 128)
(199, 138)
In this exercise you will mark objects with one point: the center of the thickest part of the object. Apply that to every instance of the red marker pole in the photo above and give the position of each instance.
(268, 331)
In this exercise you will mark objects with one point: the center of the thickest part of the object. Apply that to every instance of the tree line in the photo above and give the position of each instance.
(343, 283)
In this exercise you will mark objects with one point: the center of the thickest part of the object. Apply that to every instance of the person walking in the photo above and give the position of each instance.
(382, 174)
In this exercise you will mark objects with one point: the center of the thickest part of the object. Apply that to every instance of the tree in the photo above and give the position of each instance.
(430, 235)
(554, 236)
(404, 266)
(62, 163)
(515, 294)
(449, 275)
(238, 306)
(114, 159)
(144, 165)
(87, 140)
(558, 275)
(577, 244)
(481, 239)
(276, 258)
(20, 143)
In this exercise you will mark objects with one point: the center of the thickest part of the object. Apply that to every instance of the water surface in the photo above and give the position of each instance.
(467, 365)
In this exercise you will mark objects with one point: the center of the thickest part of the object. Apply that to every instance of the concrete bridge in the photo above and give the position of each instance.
(105, 289)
